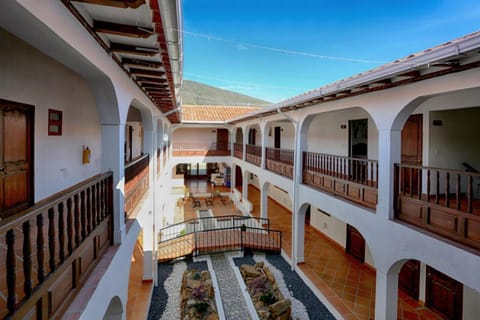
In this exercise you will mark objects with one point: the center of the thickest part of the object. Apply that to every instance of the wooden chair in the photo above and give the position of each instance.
(196, 202)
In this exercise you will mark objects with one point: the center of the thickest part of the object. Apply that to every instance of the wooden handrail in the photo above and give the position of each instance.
(362, 171)
(49, 234)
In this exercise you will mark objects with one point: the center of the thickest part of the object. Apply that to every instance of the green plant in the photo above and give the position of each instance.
(196, 276)
(268, 298)
(201, 306)
(182, 232)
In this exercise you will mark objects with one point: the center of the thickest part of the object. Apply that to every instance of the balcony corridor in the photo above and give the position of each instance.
(348, 284)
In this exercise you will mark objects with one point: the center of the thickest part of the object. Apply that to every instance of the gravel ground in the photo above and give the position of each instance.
(315, 309)
(305, 304)
(163, 305)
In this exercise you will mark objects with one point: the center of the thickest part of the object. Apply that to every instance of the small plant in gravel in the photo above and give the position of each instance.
(264, 292)
(268, 298)
(200, 292)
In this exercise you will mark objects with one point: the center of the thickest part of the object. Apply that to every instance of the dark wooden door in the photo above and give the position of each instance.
(16, 157)
(355, 243)
(238, 178)
(444, 294)
(251, 136)
(307, 215)
(277, 137)
(409, 278)
(358, 148)
(412, 136)
(222, 139)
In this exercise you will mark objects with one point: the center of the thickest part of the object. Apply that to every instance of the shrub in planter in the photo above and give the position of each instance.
(264, 292)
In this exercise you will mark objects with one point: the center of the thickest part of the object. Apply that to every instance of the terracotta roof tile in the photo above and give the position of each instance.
(206, 113)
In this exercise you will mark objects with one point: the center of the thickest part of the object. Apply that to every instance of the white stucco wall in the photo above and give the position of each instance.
(326, 135)
(195, 136)
(287, 135)
(30, 77)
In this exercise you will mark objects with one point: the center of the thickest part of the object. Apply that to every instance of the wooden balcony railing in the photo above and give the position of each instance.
(445, 202)
(280, 161)
(136, 182)
(238, 150)
(200, 149)
(254, 154)
(351, 178)
(48, 250)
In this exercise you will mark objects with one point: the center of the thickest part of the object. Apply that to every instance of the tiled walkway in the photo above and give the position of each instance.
(139, 291)
(348, 284)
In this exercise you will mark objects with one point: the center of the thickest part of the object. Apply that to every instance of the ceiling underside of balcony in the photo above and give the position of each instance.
(134, 34)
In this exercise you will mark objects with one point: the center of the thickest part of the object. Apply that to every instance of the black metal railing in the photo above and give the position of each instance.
(217, 234)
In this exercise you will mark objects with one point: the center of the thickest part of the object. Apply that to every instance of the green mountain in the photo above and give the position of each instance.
(198, 93)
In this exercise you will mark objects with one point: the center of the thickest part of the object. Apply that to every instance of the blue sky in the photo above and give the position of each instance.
(274, 50)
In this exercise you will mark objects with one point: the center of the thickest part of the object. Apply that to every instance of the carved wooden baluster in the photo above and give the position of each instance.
(410, 180)
(376, 174)
(61, 232)
(40, 255)
(51, 239)
(82, 215)
(437, 187)
(77, 219)
(98, 202)
(428, 185)
(470, 194)
(457, 191)
(89, 212)
(94, 207)
(69, 226)
(102, 200)
(12, 297)
(447, 189)
(419, 182)
(27, 259)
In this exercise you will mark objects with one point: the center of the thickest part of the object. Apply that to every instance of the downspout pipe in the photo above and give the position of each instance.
(296, 183)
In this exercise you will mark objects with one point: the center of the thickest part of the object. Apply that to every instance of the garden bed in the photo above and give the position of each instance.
(267, 299)
(197, 296)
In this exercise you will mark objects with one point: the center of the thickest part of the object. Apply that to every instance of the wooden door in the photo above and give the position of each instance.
(444, 294)
(16, 157)
(307, 215)
(238, 178)
(277, 137)
(411, 154)
(222, 139)
(358, 149)
(409, 278)
(355, 243)
(251, 136)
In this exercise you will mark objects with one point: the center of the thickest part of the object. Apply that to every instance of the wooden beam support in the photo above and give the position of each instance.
(124, 4)
(154, 81)
(122, 29)
(135, 50)
(148, 73)
(141, 63)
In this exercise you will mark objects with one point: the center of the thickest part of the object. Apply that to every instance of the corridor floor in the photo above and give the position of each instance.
(348, 284)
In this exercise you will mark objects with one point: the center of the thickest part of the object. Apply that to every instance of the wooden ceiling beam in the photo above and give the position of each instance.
(154, 82)
(124, 4)
(148, 73)
(141, 63)
(135, 50)
(122, 29)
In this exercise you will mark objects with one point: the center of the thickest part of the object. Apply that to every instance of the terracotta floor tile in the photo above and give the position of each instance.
(348, 284)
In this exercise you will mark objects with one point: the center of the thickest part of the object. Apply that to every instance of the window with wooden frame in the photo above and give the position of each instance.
(54, 122)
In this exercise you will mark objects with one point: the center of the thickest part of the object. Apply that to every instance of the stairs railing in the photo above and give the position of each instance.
(217, 234)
